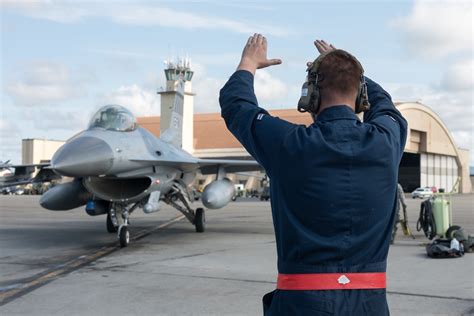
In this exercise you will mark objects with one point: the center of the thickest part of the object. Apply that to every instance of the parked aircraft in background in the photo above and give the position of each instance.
(13, 175)
(118, 167)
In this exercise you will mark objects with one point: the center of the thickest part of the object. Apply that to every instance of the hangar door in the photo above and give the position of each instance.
(439, 171)
(427, 170)
(409, 172)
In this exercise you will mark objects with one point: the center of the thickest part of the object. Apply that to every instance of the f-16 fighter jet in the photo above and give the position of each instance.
(118, 167)
(23, 174)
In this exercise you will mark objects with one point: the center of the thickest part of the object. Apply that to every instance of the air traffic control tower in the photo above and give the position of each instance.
(172, 72)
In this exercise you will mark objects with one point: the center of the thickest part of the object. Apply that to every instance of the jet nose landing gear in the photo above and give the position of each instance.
(118, 221)
(111, 226)
(123, 236)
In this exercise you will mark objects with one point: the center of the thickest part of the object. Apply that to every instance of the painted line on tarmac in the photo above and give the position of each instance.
(11, 292)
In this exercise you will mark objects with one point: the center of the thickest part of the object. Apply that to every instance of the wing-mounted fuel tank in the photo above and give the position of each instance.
(218, 193)
(130, 189)
(65, 196)
(153, 203)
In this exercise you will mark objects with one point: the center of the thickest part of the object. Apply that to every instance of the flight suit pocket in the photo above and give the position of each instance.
(376, 306)
(308, 303)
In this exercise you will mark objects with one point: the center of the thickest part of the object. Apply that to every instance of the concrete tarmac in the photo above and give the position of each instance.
(56, 263)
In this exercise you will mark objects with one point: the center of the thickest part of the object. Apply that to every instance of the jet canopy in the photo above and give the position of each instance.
(113, 118)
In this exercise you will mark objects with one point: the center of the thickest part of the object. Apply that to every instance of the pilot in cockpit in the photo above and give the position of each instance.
(114, 118)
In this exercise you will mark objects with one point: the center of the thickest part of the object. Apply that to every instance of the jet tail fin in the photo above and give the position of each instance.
(173, 134)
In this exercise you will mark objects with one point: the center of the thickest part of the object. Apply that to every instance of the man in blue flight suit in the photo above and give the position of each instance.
(333, 183)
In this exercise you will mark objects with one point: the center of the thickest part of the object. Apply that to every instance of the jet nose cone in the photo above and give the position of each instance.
(83, 156)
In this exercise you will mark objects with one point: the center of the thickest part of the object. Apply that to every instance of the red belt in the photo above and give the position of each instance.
(332, 281)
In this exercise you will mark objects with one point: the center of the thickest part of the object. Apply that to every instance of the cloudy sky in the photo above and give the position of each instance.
(62, 60)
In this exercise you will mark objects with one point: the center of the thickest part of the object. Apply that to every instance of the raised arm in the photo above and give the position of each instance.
(260, 133)
(384, 115)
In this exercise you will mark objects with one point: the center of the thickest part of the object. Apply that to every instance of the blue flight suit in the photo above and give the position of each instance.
(333, 192)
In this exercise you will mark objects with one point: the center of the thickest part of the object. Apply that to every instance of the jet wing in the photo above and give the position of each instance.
(210, 166)
(46, 174)
(207, 166)
(23, 174)
(27, 169)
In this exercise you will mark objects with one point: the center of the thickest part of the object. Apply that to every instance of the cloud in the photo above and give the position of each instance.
(47, 122)
(140, 101)
(206, 87)
(65, 12)
(464, 140)
(454, 109)
(26, 94)
(459, 77)
(207, 97)
(43, 83)
(269, 88)
(245, 6)
(436, 29)
(54, 119)
(10, 141)
(136, 14)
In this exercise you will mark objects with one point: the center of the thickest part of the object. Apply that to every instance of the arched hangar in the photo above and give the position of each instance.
(431, 156)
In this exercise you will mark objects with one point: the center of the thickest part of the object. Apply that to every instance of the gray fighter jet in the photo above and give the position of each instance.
(119, 167)
(23, 174)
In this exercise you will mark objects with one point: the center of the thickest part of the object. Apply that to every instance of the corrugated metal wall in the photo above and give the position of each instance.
(438, 170)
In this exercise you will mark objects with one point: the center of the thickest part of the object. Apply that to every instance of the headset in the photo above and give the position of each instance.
(310, 99)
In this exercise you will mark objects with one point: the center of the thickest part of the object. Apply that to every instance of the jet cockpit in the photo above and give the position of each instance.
(113, 118)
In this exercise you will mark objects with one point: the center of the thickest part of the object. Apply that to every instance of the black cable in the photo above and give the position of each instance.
(426, 220)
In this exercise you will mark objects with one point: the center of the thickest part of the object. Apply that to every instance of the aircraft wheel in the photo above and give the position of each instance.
(110, 226)
(200, 220)
(124, 236)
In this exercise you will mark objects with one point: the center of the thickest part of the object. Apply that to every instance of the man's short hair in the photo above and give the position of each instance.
(341, 73)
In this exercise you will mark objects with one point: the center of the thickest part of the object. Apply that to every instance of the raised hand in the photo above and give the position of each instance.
(254, 55)
(322, 48)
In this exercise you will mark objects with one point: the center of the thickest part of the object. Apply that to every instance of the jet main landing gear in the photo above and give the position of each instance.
(200, 220)
(179, 199)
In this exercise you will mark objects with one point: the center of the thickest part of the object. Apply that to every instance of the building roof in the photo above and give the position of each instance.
(210, 131)
(43, 139)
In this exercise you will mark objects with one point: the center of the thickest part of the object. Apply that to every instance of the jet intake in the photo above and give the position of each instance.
(65, 196)
(97, 207)
(218, 194)
(118, 189)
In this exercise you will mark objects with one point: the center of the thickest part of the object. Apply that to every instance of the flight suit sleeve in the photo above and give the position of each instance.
(260, 133)
(384, 116)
